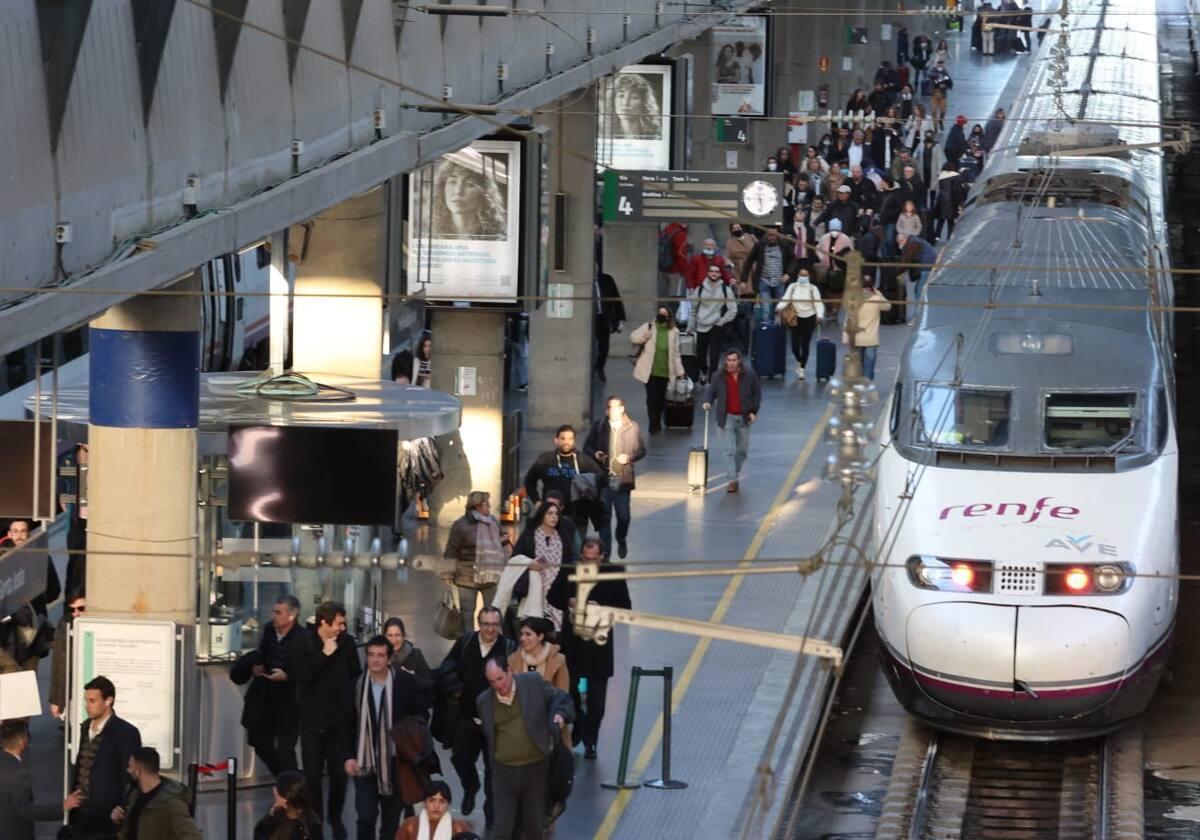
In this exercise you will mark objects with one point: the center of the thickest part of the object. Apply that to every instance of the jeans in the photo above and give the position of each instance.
(802, 337)
(918, 278)
(469, 742)
(368, 804)
(587, 726)
(868, 361)
(615, 501)
(520, 792)
(321, 752)
(770, 295)
(737, 443)
(656, 400)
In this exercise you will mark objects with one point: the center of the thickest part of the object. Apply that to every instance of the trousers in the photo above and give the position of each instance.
(520, 791)
(802, 337)
(273, 739)
(616, 502)
(656, 401)
(321, 754)
(737, 443)
(370, 806)
(869, 354)
(587, 721)
(469, 744)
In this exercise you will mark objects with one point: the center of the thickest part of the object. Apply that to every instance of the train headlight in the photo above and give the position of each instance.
(949, 575)
(1109, 578)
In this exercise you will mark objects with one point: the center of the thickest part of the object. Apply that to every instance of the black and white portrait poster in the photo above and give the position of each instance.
(464, 223)
(740, 67)
(634, 127)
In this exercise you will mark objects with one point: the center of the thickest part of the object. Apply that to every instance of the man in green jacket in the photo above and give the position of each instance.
(157, 808)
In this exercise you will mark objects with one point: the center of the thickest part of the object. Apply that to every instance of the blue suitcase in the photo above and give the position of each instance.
(826, 359)
(770, 350)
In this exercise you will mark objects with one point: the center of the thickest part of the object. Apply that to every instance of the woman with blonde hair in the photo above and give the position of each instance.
(633, 108)
(467, 201)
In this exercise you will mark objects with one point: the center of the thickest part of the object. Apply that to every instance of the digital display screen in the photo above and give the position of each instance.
(17, 498)
(312, 474)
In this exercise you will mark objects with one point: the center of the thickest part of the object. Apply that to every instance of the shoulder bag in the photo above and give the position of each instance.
(584, 487)
(447, 616)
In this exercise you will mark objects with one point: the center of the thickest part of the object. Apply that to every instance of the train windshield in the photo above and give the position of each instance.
(1089, 421)
(952, 416)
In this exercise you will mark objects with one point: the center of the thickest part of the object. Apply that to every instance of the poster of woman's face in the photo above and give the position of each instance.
(740, 69)
(634, 129)
(464, 223)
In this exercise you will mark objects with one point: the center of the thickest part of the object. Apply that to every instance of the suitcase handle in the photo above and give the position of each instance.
(706, 412)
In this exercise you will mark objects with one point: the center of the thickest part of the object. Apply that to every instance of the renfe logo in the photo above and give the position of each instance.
(1014, 509)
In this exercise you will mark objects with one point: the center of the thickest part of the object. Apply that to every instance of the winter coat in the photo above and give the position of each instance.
(164, 817)
(956, 142)
(556, 472)
(416, 758)
(737, 251)
(805, 298)
(586, 658)
(644, 338)
(749, 389)
(555, 668)
(909, 225)
(305, 828)
(713, 305)
(698, 265)
(599, 439)
(612, 308)
(752, 268)
(410, 658)
(868, 320)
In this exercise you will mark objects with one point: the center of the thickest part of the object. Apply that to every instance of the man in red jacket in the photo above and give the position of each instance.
(699, 263)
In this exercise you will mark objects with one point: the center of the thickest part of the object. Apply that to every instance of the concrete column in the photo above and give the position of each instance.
(560, 349)
(144, 391)
(469, 342)
(631, 257)
(345, 253)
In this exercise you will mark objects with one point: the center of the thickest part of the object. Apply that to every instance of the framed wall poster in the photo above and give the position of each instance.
(741, 67)
(633, 118)
(464, 224)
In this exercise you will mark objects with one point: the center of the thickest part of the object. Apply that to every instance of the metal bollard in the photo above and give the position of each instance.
(666, 782)
(635, 677)
(193, 783)
(231, 797)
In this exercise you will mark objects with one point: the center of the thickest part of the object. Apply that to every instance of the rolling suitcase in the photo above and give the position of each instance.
(826, 359)
(680, 415)
(770, 350)
(697, 468)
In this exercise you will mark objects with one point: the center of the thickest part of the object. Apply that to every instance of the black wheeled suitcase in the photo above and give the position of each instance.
(770, 350)
(680, 415)
(697, 468)
(826, 359)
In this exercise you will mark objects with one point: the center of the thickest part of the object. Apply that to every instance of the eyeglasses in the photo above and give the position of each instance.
(489, 624)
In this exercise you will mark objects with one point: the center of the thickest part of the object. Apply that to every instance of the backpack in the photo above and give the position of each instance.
(666, 252)
(672, 240)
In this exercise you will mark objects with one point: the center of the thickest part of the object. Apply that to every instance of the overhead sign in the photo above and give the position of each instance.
(140, 657)
(733, 130)
(741, 67)
(634, 124)
(464, 224)
(856, 35)
(753, 197)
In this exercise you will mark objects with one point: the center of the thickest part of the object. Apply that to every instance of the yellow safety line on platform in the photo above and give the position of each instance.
(618, 806)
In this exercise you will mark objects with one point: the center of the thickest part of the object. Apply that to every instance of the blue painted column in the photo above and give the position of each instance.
(142, 477)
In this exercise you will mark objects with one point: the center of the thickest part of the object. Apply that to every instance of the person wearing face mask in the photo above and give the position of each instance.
(737, 250)
(699, 264)
(769, 266)
(772, 164)
(801, 310)
(658, 363)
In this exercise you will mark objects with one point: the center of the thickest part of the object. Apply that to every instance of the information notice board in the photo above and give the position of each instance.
(141, 659)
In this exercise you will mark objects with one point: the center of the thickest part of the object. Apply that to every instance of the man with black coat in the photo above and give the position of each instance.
(609, 316)
(863, 191)
(18, 811)
(270, 711)
(466, 661)
(616, 442)
(99, 774)
(842, 209)
(585, 659)
(327, 680)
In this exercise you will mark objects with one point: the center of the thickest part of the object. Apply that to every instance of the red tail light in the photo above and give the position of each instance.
(1077, 580)
(962, 575)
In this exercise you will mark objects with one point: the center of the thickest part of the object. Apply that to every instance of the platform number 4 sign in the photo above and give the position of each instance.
(625, 206)
(733, 130)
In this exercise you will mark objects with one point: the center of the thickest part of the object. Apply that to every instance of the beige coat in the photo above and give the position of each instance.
(643, 337)
(868, 320)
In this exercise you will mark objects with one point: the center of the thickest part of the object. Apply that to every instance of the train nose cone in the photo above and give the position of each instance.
(1017, 663)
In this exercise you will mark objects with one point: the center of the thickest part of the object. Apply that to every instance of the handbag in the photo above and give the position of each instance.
(687, 344)
(447, 616)
(584, 487)
(789, 316)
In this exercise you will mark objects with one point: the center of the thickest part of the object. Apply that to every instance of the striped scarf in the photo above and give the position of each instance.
(372, 744)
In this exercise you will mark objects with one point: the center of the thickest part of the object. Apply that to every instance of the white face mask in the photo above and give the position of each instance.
(772, 166)
(708, 252)
(802, 279)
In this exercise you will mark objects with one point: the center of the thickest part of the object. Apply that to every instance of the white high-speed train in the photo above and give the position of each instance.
(1026, 497)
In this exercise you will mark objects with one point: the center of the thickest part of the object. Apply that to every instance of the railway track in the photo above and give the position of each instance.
(945, 787)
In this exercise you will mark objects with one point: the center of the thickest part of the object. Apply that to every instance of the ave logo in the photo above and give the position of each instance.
(1082, 545)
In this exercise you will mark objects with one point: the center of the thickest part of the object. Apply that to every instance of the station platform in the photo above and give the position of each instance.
(728, 697)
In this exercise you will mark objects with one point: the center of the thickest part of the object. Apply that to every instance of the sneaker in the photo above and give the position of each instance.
(589, 753)
(800, 374)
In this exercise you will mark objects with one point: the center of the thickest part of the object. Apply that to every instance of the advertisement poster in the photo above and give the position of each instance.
(634, 127)
(740, 74)
(464, 224)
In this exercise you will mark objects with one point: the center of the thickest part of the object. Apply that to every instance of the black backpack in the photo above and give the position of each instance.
(666, 251)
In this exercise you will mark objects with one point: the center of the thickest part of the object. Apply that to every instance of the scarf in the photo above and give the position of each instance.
(444, 831)
(380, 739)
(538, 663)
(489, 556)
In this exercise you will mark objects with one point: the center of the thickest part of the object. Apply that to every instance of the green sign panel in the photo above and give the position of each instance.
(733, 130)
